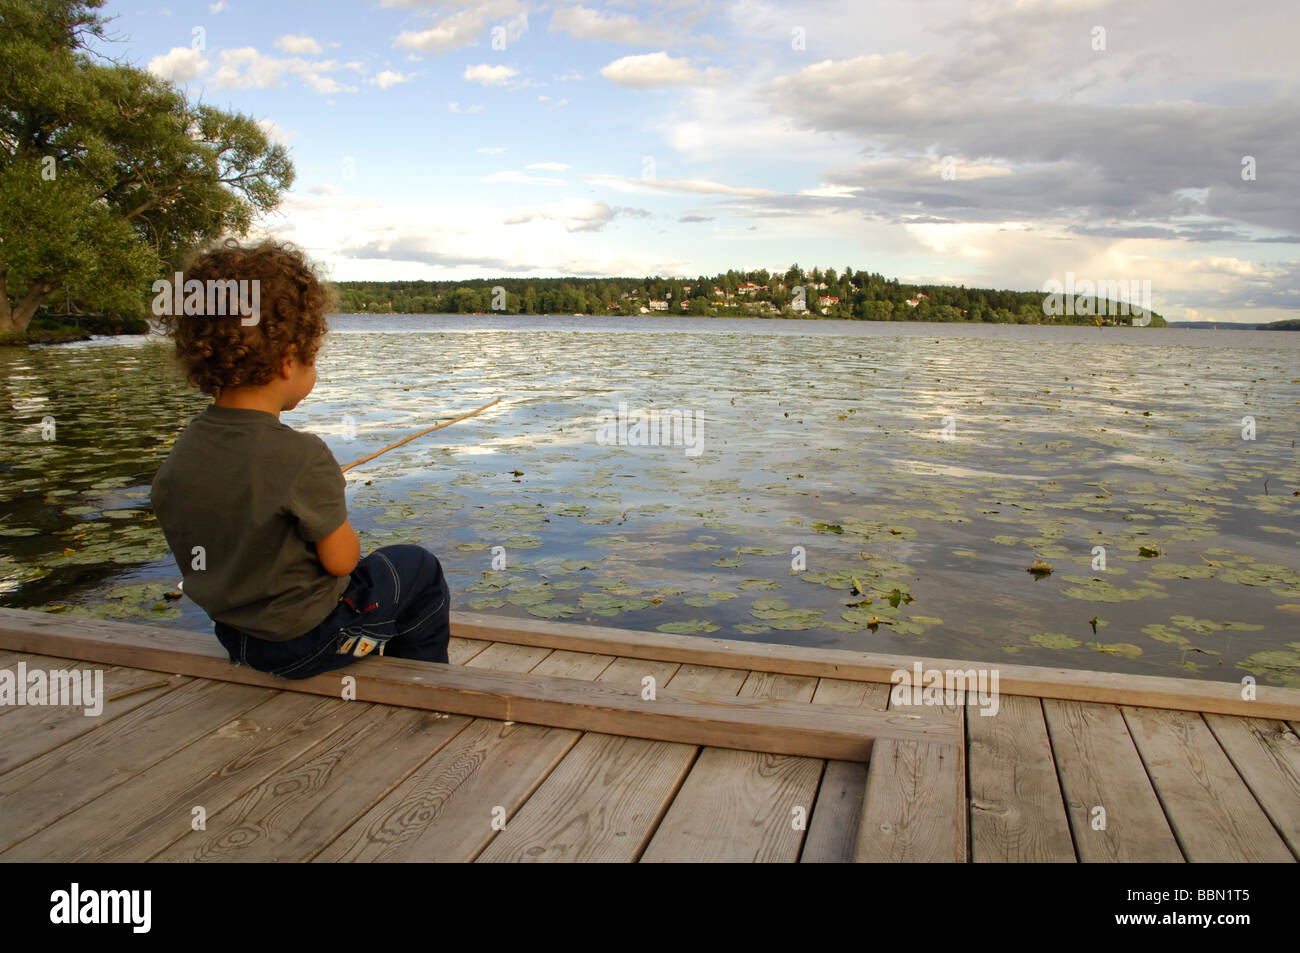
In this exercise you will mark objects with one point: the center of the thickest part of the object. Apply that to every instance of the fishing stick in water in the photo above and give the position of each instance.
(393, 446)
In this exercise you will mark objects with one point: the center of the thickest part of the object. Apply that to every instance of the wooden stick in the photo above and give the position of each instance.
(393, 446)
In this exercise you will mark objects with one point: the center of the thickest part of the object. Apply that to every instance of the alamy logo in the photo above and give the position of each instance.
(933, 686)
(212, 297)
(103, 906)
(37, 686)
(652, 428)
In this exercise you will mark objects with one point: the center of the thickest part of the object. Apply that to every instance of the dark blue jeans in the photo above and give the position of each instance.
(397, 604)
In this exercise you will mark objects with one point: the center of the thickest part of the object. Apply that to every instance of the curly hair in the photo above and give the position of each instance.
(219, 351)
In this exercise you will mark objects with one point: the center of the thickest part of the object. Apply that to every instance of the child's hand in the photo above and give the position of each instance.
(339, 551)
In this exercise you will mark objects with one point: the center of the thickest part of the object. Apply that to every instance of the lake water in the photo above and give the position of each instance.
(923, 467)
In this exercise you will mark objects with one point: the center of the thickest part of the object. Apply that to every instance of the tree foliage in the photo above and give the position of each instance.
(863, 296)
(109, 177)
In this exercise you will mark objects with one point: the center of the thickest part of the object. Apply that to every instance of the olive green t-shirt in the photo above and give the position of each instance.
(242, 498)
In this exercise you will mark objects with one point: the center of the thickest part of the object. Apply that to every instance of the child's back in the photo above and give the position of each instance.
(243, 499)
(254, 511)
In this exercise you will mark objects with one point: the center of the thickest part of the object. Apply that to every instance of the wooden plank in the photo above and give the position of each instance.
(44, 789)
(833, 827)
(294, 813)
(438, 813)
(739, 807)
(630, 673)
(1267, 756)
(444, 811)
(10, 660)
(460, 651)
(749, 724)
(138, 819)
(833, 830)
(17, 627)
(564, 664)
(1104, 782)
(1212, 812)
(581, 812)
(1016, 809)
(599, 804)
(742, 806)
(34, 730)
(914, 807)
(1033, 681)
(841, 691)
(708, 680)
(505, 657)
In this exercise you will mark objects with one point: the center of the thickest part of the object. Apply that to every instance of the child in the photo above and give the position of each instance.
(254, 511)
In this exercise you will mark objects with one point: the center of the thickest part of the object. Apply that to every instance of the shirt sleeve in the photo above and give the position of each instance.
(316, 499)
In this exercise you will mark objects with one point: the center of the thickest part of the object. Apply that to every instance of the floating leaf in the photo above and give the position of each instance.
(552, 610)
(688, 627)
(1054, 640)
(1279, 666)
(1126, 649)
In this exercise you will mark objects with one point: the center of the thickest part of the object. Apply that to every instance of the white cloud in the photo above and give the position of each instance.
(217, 7)
(548, 166)
(387, 78)
(572, 74)
(585, 23)
(659, 69)
(298, 45)
(180, 64)
(491, 150)
(831, 191)
(275, 132)
(465, 26)
(324, 189)
(623, 183)
(518, 178)
(489, 75)
(576, 215)
(464, 110)
(246, 68)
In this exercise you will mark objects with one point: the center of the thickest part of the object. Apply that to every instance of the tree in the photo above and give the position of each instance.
(108, 176)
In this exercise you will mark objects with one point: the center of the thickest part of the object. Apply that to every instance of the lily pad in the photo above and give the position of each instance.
(688, 627)
(1054, 640)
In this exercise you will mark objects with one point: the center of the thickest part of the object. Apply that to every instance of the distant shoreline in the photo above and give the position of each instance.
(660, 315)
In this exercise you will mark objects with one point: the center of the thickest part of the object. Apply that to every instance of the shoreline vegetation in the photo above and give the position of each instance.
(760, 294)
(847, 295)
(66, 328)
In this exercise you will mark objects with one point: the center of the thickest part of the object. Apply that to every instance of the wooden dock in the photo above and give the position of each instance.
(540, 742)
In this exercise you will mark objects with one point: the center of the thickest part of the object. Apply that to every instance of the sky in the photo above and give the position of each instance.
(990, 143)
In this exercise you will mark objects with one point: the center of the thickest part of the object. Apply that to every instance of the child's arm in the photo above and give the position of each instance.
(339, 551)
(317, 501)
